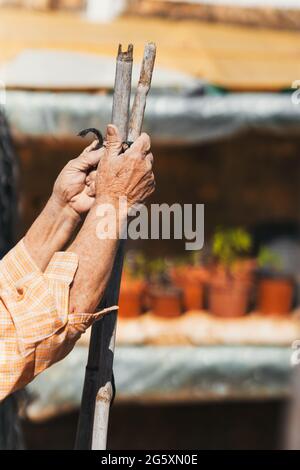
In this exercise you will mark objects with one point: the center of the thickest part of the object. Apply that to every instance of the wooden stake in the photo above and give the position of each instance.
(122, 92)
(101, 351)
(143, 88)
(97, 393)
(103, 402)
(291, 424)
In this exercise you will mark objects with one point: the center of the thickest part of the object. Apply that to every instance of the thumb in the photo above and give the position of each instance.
(89, 158)
(113, 141)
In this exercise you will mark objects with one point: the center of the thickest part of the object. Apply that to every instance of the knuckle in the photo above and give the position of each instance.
(84, 156)
(71, 164)
(134, 155)
(146, 137)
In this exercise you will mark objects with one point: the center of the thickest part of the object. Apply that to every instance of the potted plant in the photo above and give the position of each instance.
(132, 286)
(275, 289)
(231, 275)
(165, 297)
(190, 276)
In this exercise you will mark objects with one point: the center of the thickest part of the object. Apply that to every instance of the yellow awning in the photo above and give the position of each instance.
(229, 56)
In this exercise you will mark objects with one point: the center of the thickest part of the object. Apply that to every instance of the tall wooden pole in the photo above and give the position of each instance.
(143, 88)
(122, 91)
(291, 423)
(100, 359)
(98, 390)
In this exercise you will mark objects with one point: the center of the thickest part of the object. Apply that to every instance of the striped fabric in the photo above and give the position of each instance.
(36, 327)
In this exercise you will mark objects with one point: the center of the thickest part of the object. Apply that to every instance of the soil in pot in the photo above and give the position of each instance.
(131, 294)
(166, 301)
(275, 296)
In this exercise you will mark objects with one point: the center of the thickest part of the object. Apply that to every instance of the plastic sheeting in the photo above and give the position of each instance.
(169, 118)
(169, 374)
(51, 70)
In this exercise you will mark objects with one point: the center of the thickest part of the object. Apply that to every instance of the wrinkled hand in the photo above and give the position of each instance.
(127, 173)
(75, 185)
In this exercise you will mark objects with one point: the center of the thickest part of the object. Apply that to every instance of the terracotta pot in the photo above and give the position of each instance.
(166, 302)
(190, 280)
(193, 295)
(275, 296)
(131, 294)
(229, 299)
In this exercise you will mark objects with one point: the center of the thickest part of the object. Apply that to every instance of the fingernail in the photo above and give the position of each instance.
(110, 130)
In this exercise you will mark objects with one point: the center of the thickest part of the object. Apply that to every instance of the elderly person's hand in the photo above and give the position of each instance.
(72, 197)
(75, 186)
(126, 173)
(120, 174)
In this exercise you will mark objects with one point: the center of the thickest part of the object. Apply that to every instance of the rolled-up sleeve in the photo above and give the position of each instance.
(36, 327)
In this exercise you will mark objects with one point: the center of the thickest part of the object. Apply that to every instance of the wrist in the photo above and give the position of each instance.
(107, 198)
(50, 232)
(119, 204)
(63, 210)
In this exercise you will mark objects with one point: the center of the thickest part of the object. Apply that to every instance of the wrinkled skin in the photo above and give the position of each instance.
(126, 173)
(75, 184)
(119, 173)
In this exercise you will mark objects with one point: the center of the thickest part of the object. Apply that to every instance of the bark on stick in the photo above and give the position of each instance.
(103, 401)
(92, 429)
(122, 91)
(97, 393)
(143, 88)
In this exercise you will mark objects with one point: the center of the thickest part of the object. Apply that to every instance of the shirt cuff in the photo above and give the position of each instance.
(62, 267)
(61, 270)
(31, 302)
(39, 302)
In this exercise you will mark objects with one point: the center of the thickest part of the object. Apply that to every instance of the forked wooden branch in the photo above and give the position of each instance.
(143, 88)
(98, 390)
(100, 359)
(122, 91)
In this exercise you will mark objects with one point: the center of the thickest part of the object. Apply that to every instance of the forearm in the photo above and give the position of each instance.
(50, 232)
(96, 259)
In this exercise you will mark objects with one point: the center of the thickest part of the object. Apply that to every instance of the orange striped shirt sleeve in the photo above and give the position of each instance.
(36, 327)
